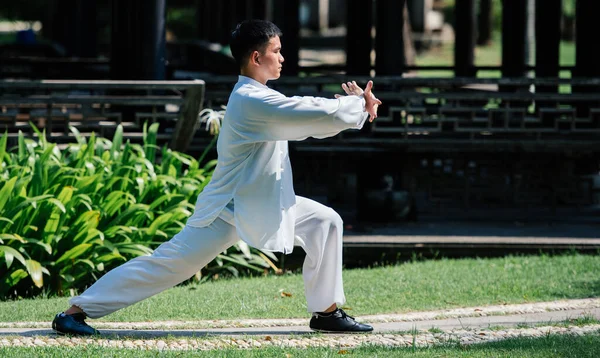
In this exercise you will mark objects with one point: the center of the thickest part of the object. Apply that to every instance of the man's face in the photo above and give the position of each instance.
(271, 60)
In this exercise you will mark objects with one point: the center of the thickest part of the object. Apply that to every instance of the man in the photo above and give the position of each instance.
(250, 195)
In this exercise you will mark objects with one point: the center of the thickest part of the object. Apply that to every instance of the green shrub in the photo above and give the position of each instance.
(69, 215)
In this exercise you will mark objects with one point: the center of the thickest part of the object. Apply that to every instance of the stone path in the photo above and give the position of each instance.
(465, 325)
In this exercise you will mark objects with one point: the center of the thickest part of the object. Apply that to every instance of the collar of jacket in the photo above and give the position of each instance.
(244, 80)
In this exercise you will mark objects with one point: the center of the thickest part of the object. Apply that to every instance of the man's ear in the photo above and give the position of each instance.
(254, 58)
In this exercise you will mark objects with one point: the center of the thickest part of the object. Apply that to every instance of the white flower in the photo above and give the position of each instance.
(212, 119)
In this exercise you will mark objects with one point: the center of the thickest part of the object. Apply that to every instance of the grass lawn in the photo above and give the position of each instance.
(551, 346)
(484, 56)
(413, 286)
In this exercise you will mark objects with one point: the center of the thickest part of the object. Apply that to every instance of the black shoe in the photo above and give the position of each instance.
(337, 322)
(73, 324)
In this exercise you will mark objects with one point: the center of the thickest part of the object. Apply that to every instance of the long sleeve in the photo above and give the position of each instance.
(269, 115)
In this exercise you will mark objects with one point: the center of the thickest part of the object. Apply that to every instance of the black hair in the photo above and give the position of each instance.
(250, 36)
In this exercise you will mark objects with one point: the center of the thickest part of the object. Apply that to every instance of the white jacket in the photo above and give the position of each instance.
(253, 169)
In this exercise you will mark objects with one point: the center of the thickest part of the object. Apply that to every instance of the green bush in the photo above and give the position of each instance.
(69, 215)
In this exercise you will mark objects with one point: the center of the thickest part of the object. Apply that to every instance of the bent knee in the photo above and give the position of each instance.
(331, 216)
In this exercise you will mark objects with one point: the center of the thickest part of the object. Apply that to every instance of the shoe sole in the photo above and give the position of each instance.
(341, 332)
(74, 335)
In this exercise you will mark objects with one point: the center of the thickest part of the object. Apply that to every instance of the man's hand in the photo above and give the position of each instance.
(351, 88)
(371, 102)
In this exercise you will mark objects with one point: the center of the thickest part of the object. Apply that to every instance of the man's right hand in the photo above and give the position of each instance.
(371, 102)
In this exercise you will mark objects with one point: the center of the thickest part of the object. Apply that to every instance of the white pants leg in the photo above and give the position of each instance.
(171, 263)
(319, 231)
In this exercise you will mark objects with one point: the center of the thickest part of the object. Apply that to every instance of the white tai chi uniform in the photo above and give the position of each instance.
(250, 197)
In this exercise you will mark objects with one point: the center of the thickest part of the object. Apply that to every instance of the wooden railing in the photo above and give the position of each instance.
(429, 112)
(99, 106)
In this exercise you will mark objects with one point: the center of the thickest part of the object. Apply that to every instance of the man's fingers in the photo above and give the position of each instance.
(337, 95)
(369, 86)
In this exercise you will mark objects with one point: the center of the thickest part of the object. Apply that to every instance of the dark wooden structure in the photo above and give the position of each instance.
(454, 147)
(99, 106)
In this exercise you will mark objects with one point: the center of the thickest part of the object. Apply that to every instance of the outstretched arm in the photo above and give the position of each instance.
(269, 115)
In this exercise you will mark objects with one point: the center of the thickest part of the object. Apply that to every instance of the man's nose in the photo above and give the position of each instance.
(281, 59)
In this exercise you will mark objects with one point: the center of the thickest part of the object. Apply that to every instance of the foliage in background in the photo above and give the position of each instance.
(69, 215)
(182, 21)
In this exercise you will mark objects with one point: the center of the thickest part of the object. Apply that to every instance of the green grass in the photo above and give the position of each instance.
(581, 321)
(484, 56)
(7, 38)
(551, 346)
(413, 286)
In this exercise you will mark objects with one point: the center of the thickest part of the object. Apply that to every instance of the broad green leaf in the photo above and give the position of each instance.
(245, 249)
(22, 147)
(134, 249)
(111, 257)
(3, 141)
(32, 202)
(150, 141)
(12, 279)
(6, 220)
(89, 219)
(58, 204)
(236, 259)
(158, 223)
(10, 254)
(141, 184)
(5, 192)
(117, 142)
(270, 255)
(167, 179)
(43, 245)
(41, 136)
(116, 200)
(74, 253)
(87, 262)
(35, 270)
(67, 278)
(162, 199)
(15, 237)
(80, 139)
(30, 227)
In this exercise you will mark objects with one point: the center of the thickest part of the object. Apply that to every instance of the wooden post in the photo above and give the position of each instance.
(464, 48)
(73, 25)
(258, 9)
(389, 39)
(514, 18)
(547, 40)
(587, 55)
(203, 18)
(287, 18)
(484, 23)
(138, 40)
(359, 22)
(187, 123)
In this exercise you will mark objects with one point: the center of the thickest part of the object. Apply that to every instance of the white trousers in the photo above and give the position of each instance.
(318, 231)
